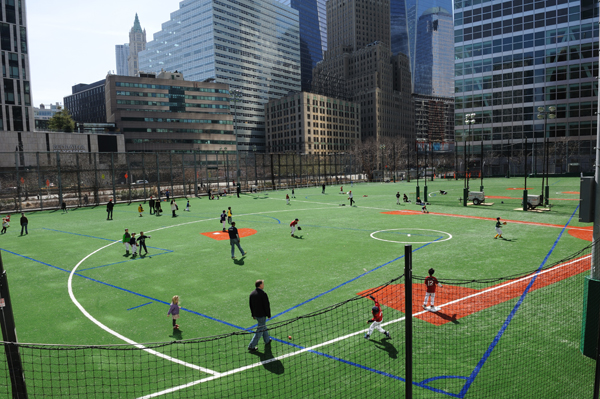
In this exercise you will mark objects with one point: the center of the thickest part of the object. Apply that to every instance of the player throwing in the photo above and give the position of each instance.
(376, 320)
(431, 282)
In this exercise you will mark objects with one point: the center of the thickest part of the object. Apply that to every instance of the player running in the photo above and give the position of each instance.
(376, 320)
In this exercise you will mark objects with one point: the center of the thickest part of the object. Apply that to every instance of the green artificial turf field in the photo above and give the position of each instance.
(76, 258)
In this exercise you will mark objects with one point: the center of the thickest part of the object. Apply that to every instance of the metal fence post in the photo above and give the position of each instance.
(78, 179)
(9, 336)
(112, 165)
(39, 180)
(408, 315)
(195, 176)
(157, 178)
(60, 196)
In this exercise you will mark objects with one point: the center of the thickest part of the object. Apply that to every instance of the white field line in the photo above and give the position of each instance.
(122, 337)
(312, 348)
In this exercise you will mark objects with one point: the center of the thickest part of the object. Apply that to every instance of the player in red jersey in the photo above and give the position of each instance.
(430, 283)
(376, 320)
(293, 226)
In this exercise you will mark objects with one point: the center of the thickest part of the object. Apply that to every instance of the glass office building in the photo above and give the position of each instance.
(252, 45)
(513, 57)
(313, 35)
(434, 58)
(406, 16)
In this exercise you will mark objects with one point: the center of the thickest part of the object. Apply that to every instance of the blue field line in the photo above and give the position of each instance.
(121, 289)
(167, 251)
(556, 182)
(343, 284)
(82, 235)
(488, 352)
(35, 260)
(139, 306)
(360, 366)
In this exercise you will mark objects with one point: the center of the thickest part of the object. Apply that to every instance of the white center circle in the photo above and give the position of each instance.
(449, 236)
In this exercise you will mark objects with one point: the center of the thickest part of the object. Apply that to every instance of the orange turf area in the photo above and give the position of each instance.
(457, 302)
(222, 235)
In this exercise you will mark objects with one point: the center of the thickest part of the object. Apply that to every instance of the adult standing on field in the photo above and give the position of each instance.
(234, 239)
(109, 209)
(174, 207)
(261, 311)
(323, 192)
(24, 223)
(351, 198)
(151, 205)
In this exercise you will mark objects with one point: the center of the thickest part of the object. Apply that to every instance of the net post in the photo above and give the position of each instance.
(9, 336)
(408, 316)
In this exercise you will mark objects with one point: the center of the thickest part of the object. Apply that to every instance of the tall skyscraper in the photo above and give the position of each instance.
(16, 112)
(409, 20)
(313, 35)
(121, 55)
(137, 43)
(359, 66)
(254, 46)
(514, 57)
(433, 71)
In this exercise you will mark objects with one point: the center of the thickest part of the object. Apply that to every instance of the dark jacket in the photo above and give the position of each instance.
(110, 206)
(24, 221)
(259, 304)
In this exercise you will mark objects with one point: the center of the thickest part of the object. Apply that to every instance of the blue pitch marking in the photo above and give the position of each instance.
(121, 289)
(82, 235)
(139, 306)
(487, 353)
(343, 284)
(167, 251)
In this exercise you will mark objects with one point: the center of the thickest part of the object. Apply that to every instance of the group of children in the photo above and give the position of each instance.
(226, 216)
(131, 243)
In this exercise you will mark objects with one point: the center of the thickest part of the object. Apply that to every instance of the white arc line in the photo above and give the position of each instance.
(116, 334)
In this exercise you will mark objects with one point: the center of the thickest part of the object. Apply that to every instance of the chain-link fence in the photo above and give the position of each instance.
(90, 179)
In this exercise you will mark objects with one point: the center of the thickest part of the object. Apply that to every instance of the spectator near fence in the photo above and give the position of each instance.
(109, 210)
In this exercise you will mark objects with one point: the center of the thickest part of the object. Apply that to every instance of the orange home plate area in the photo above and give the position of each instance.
(223, 235)
(456, 302)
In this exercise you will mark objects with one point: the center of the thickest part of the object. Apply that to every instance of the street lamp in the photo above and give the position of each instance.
(236, 94)
(469, 121)
(544, 114)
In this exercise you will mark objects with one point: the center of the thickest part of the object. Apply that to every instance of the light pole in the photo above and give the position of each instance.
(236, 94)
(224, 150)
(255, 175)
(382, 147)
(469, 121)
(544, 114)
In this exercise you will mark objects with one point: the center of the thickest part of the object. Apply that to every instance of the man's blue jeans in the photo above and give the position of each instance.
(261, 330)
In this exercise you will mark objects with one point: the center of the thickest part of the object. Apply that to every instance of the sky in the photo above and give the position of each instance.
(73, 41)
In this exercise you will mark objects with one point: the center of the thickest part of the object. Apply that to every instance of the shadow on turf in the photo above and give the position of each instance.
(298, 237)
(240, 261)
(274, 366)
(447, 317)
(388, 347)
(177, 334)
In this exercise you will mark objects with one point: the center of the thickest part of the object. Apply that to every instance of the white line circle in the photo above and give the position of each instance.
(411, 242)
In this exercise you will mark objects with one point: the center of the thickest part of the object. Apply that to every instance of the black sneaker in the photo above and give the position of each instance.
(254, 349)
(387, 334)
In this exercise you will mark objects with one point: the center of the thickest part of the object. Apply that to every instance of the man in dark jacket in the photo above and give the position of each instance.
(151, 205)
(24, 223)
(109, 209)
(261, 311)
